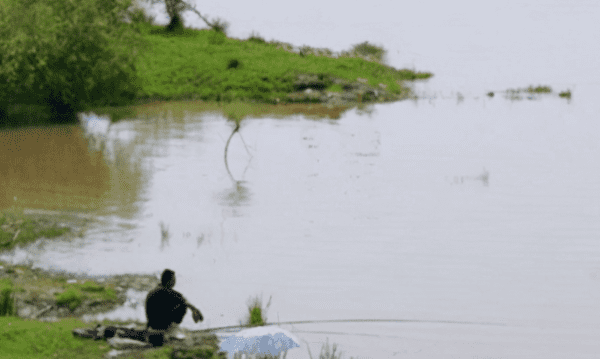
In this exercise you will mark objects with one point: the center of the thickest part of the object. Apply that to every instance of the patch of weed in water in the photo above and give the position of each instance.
(565, 94)
(539, 89)
(18, 228)
(256, 313)
(513, 94)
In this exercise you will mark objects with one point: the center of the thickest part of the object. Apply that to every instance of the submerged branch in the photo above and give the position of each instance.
(236, 129)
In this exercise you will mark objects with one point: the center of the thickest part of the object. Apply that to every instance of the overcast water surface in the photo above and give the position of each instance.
(477, 218)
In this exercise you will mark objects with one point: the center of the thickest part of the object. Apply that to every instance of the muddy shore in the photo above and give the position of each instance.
(36, 290)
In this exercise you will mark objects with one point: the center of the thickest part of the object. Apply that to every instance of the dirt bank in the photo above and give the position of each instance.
(37, 292)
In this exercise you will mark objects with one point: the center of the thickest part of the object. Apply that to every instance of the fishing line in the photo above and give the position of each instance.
(232, 327)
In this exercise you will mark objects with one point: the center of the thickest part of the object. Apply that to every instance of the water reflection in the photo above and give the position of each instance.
(51, 167)
(164, 236)
(238, 194)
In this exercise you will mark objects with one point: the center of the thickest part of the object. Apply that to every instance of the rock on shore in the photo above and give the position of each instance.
(312, 88)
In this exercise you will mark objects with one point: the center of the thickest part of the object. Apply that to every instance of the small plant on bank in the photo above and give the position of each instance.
(76, 294)
(18, 228)
(327, 352)
(219, 25)
(7, 299)
(71, 298)
(369, 51)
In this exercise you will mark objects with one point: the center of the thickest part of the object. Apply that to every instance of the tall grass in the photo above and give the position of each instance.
(327, 352)
(256, 312)
(7, 299)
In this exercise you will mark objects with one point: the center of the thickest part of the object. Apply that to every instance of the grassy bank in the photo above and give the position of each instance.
(204, 64)
(25, 339)
(36, 293)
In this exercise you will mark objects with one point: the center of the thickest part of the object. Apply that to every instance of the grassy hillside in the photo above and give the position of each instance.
(204, 64)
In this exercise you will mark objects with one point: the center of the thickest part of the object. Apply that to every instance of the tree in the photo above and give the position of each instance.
(66, 55)
(176, 7)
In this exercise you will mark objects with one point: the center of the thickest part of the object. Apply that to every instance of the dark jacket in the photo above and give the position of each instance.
(164, 306)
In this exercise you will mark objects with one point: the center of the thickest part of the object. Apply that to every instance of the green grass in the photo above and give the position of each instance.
(335, 88)
(29, 339)
(70, 298)
(25, 339)
(18, 228)
(75, 294)
(203, 64)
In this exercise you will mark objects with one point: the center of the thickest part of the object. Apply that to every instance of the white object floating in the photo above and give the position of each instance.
(271, 340)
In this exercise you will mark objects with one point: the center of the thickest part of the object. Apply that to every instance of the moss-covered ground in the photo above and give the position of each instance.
(204, 64)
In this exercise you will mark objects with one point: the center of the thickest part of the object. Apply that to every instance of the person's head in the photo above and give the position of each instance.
(168, 278)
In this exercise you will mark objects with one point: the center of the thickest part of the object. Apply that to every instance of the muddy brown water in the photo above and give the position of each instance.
(475, 218)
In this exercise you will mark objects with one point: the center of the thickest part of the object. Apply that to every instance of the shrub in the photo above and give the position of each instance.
(67, 55)
(233, 64)
(219, 25)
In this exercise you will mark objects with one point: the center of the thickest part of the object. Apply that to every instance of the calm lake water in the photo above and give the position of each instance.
(477, 218)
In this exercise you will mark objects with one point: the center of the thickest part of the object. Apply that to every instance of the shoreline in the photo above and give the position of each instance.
(36, 291)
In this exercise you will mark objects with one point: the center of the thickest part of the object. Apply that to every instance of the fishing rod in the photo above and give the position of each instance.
(357, 321)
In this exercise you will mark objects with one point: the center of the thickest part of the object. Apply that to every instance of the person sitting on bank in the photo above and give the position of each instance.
(165, 309)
